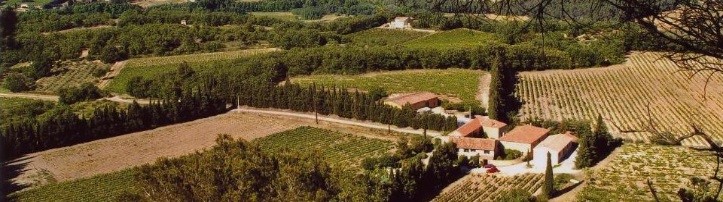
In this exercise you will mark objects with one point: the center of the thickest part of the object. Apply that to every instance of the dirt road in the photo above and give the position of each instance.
(366, 124)
(114, 71)
(30, 96)
(484, 90)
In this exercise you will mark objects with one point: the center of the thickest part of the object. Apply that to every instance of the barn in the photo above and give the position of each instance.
(560, 147)
(524, 138)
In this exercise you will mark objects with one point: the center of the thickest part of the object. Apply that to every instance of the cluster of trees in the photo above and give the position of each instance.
(84, 92)
(594, 144)
(77, 15)
(222, 173)
(61, 127)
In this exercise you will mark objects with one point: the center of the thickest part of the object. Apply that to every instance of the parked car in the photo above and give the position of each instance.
(490, 166)
(493, 170)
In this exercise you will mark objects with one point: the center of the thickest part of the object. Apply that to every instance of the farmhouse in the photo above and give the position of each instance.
(481, 126)
(401, 23)
(486, 148)
(560, 147)
(416, 100)
(524, 138)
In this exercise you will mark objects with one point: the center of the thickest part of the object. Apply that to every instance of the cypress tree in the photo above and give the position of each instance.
(548, 188)
(496, 105)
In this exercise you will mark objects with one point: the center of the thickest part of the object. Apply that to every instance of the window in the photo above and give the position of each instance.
(487, 151)
(466, 150)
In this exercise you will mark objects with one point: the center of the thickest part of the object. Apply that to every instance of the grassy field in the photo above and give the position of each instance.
(104, 187)
(344, 150)
(483, 187)
(624, 179)
(623, 94)
(453, 39)
(383, 37)
(154, 66)
(459, 83)
(72, 74)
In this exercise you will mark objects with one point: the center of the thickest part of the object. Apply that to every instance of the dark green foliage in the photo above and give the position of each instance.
(510, 154)
(17, 82)
(548, 186)
(441, 165)
(516, 195)
(503, 104)
(111, 54)
(236, 171)
(377, 93)
(474, 162)
(595, 145)
(84, 92)
(462, 161)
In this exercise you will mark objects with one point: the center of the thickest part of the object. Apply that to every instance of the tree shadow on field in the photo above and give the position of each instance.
(10, 170)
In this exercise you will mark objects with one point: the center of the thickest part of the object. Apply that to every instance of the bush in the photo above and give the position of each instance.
(462, 161)
(85, 92)
(474, 161)
(100, 71)
(510, 154)
(17, 82)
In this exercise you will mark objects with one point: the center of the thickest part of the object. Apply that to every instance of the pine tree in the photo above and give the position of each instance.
(548, 188)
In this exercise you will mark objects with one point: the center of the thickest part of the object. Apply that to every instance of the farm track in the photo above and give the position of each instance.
(484, 90)
(30, 96)
(114, 71)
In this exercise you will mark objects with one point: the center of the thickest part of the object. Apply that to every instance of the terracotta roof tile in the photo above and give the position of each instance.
(475, 143)
(490, 123)
(557, 142)
(525, 134)
(468, 128)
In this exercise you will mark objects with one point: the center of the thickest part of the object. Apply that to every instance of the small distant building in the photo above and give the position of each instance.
(184, 22)
(524, 138)
(486, 148)
(401, 23)
(559, 146)
(481, 124)
(416, 100)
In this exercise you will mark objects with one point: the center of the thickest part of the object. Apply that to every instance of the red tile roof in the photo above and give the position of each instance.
(475, 143)
(525, 134)
(468, 128)
(557, 142)
(490, 123)
(412, 98)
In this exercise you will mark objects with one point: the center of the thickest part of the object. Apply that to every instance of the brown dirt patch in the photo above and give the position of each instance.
(135, 149)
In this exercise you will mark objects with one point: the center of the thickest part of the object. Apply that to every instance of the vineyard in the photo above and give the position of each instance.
(383, 37)
(622, 94)
(71, 74)
(458, 83)
(483, 187)
(453, 39)
(338, 149)
(105, 187)
(154, 66)
(668, 167)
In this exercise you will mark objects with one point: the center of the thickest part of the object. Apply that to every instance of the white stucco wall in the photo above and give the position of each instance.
(493, 133)
(481, 153)
(522, 147)
(539, 158)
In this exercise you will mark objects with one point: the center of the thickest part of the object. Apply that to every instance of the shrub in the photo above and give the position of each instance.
(16, 82)
(86, 91)
(510, 154)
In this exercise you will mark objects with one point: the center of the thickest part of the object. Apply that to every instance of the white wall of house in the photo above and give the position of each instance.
(484, 154)
(493, 133)
(522, 147)
(539, 158)
(399, 24)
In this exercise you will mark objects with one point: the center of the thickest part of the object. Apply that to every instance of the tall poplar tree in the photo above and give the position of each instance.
(548, 187)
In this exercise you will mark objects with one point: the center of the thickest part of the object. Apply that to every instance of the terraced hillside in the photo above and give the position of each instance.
(623, 94)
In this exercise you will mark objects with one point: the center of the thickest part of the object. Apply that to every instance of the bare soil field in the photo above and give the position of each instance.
(135, 149)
